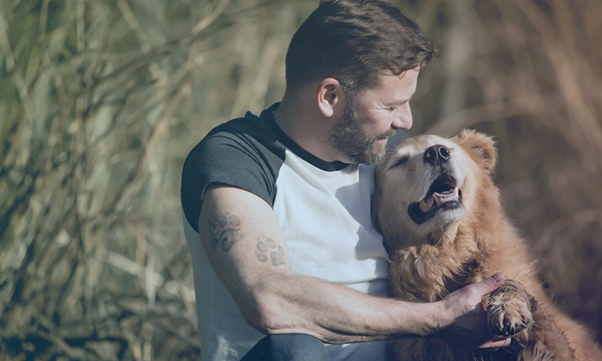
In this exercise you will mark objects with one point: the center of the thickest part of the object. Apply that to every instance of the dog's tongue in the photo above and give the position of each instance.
(440, 198)
(425, 206)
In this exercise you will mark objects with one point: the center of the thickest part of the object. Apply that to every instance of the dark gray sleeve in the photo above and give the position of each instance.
(227, 159)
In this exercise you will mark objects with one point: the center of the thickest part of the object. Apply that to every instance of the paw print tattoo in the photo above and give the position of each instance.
(270, 250)
(224, 231)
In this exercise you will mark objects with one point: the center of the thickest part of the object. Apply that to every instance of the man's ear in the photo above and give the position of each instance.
(481, 145)
(329, 96)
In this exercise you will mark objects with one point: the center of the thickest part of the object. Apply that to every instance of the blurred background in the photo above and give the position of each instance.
(100, 102)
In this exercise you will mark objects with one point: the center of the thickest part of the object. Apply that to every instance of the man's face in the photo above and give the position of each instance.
(373, 116)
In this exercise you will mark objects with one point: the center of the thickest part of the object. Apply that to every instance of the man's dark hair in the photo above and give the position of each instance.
(354, 41)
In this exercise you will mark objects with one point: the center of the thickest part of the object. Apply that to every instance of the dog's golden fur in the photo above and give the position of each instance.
(464, 241)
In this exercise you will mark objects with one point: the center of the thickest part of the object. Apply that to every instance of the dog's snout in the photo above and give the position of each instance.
(436, 153)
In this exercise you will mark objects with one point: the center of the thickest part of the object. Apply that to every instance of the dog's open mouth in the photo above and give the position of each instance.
(442, 195)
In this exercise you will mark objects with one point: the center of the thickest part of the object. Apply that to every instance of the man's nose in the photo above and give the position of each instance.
(404, 120)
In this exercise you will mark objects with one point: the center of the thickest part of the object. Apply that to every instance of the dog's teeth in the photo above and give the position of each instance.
(446, 196)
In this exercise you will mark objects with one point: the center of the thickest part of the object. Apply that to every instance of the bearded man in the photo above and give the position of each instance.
(287, 264)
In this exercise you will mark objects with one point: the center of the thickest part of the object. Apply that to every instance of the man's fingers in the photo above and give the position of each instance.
(489, 285)
(496, 343)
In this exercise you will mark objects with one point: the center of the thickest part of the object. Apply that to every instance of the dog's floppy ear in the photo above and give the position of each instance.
(480, 145)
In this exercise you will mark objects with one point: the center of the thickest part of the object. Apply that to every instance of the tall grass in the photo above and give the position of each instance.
(100, 101)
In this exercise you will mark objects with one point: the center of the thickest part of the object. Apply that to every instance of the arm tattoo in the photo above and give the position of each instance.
(271, 248)
(224, 230)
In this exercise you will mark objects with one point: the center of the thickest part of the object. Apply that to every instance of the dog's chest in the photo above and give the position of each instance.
(469, 273)
(428, 274)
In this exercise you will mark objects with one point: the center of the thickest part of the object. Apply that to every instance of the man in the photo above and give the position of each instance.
(277, 205)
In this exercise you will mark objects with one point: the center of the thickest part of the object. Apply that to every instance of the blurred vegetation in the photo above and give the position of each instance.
(100, 102)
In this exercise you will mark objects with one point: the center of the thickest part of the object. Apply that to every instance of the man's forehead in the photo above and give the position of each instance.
(394, 86)
(407, 77)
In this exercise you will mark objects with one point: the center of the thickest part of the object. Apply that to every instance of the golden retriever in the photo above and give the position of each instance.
(440, 215)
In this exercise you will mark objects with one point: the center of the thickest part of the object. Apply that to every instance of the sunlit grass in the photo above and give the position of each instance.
(100, 101)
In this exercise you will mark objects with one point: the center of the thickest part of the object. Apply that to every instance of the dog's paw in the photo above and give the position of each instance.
(509, 309)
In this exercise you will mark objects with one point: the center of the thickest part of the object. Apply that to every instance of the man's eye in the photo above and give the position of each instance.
(400, 162)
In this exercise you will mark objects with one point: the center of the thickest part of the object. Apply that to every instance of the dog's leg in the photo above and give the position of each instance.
(547, 337)
(511, 311)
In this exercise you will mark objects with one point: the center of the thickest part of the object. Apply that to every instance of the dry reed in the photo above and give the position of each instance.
(101, 101)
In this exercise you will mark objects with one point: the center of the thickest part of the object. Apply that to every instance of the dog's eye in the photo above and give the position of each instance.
(400, 161)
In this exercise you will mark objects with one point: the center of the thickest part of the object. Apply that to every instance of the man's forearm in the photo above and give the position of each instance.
(337, 314)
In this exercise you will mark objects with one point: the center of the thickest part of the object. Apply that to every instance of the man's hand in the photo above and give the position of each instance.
(468, 328)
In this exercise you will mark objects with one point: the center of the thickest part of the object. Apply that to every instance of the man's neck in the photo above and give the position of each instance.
(301, 121)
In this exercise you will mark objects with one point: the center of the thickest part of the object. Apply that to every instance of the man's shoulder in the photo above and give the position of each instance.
(242, 153)
(249, 124)
(250, 135)
(249, 127)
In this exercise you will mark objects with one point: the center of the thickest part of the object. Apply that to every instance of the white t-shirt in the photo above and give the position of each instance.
(323, 209)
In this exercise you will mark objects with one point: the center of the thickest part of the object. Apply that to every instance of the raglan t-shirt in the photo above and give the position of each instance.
(322, 207)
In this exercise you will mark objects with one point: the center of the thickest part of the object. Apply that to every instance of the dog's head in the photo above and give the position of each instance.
(428, 184)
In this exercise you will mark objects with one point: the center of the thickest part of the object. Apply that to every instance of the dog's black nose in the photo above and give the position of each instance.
(435, 154)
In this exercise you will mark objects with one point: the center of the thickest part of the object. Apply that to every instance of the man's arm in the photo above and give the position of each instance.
(246, 247)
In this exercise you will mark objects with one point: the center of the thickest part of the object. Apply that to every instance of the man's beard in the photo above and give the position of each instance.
(349, 137)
